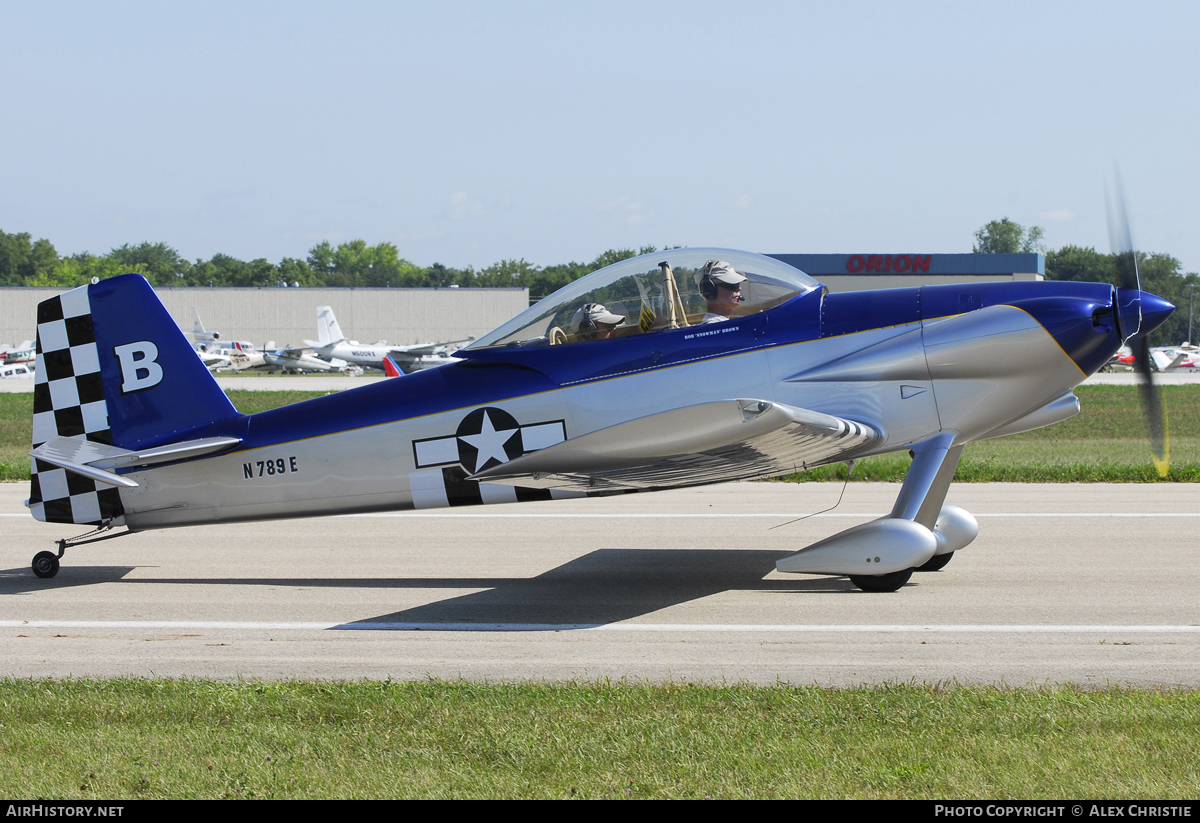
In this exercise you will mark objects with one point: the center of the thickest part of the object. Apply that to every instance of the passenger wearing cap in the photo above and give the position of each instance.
(594, 322)
(721, 287)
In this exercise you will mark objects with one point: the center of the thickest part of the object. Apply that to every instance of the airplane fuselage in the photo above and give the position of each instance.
(974, 361)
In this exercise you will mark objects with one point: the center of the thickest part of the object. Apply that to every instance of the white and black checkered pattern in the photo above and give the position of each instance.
(68, 401)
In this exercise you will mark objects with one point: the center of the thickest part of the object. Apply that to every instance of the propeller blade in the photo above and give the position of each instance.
(1152, 406)
(1120, 238)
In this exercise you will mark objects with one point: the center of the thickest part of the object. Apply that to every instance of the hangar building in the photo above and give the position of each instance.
(289, 316)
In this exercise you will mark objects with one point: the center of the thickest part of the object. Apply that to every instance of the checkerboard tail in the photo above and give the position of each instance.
(114, 368)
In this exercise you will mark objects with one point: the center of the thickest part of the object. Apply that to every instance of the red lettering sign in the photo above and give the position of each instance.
(882, 264)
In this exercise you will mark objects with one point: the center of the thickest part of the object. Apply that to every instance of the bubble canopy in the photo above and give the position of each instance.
(651, 293)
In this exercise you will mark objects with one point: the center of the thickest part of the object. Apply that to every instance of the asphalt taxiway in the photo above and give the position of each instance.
(1086, 584)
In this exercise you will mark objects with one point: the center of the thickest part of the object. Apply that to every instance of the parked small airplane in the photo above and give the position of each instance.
(299, 359)
(1162, 358)
(213, 361)
(202, 340)
(24, 353)
(19, 371)
(237, 355)
(332, 344)
(681, 368)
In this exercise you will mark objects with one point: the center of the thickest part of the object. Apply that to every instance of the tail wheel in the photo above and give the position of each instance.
(881, 582)
(45, 564)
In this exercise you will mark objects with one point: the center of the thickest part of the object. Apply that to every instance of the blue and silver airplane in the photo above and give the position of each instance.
(681, 368)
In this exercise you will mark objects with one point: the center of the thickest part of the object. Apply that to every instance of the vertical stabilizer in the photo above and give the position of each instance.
(113, 368)
(328, 330)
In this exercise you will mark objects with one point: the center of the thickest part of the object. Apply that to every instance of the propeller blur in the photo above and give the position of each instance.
(1139, 315)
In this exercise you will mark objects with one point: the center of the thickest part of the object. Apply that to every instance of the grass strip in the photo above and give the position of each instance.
(1104, 443)
(199, 739)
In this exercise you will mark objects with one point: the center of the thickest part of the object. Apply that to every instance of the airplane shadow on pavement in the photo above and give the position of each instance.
(22, 580)
(605, 586)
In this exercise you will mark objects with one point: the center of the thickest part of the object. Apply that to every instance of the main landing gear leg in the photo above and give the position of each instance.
(920, 533)
(920, 500)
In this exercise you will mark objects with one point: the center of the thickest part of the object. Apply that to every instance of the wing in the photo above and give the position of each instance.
(423, 349)
(706, 443)
(414, 351)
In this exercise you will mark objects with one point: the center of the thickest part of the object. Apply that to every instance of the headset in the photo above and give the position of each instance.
(708, 286)
(587, 325)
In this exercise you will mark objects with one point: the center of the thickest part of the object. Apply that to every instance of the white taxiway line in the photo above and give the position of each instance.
(707, 628)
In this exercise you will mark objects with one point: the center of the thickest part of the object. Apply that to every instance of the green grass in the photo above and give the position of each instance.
(1106, 442)
(16, 435)
(197, 739)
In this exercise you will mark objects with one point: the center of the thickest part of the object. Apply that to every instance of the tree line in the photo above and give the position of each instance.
(354, 264)
(28, 262)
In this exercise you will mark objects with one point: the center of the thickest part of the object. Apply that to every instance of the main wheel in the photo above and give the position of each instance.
(881, 582)
(936, 562)
(45, 564)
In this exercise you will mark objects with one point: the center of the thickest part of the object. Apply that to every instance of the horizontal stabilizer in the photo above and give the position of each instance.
(76, 456)
(89, 459)
(705, 443)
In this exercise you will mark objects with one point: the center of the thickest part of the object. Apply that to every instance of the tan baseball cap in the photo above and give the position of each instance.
(720, 271)
(597, 315)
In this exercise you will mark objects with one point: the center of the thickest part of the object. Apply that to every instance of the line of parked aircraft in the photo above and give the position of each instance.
(1182, 358)
(331, 352)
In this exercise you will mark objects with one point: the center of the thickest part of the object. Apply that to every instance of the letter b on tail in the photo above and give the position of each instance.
(139, 369)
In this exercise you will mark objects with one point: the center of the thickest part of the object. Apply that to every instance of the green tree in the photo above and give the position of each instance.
(22, 259)
(223, 270)
(292, 271)
(320, 258)
(79, 269)
(162, 265)
(439, 276)
(1003, 236)
(1079, 264)
(355, 264)
(507, 274)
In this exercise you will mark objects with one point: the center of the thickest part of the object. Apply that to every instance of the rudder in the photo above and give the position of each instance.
(113, 368)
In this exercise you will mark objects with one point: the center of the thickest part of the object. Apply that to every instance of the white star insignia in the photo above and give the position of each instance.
(489, 442)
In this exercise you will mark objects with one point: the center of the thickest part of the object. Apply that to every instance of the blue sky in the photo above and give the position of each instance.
(470, 132)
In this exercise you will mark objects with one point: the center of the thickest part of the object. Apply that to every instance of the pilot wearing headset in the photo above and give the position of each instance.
(594, 322)
(721, 288)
